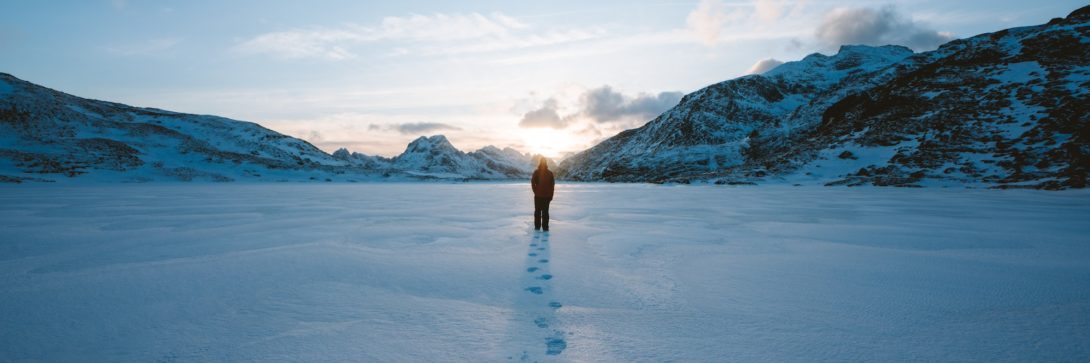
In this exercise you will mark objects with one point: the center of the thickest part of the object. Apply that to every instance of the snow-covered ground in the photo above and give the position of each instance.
(454, 272)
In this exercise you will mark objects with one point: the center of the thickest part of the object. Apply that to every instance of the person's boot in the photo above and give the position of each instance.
(545, 228)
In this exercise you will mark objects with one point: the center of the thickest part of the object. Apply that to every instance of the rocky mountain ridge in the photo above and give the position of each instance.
(1004, 109)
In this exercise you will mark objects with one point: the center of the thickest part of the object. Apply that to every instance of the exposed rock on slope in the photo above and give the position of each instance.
(1006, 109)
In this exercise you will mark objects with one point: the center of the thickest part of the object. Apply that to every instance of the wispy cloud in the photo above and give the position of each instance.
(414, 128)
(707, 20)
(423, 34)
(713, 21)
(315, 43)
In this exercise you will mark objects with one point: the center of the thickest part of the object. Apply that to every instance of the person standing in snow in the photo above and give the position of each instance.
(542, 183)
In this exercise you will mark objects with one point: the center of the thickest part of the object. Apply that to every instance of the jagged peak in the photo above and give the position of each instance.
(342, 153)
(493, 149)
(426, 144)
(436, 140)
(490, 149)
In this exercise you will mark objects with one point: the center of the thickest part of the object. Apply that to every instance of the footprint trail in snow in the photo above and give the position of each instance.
(537, 284)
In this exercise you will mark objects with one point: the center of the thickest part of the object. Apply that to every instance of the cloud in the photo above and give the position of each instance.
(771, 10)
(318, 43)
(707, 20)
(763, 66)
(412, 128)
(423, 127)
(442, 27)
(424, 34)
(603, 104)
(876, 27)
(546, 116)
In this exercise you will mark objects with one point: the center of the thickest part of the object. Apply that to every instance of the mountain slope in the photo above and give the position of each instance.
(1008, 109)
(435, 157)
(48, 132)
(1005, 109)
(694, 137)
(46, 135)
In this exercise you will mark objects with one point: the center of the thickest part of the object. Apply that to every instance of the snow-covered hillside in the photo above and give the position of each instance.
(408, 272)
(1005, 109)
(46, 135)
(710, 129)
(436, 157)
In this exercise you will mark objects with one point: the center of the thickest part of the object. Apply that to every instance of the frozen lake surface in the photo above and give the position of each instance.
(442, 272)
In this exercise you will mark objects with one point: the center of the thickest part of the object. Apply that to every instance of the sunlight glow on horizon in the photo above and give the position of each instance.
(550, 143)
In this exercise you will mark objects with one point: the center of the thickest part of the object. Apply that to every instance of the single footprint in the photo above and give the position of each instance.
(555, 346)
(541, 323)
(534, 289)
(541, 248)
(555, 305)
(532, 254)
(544, 260)
(533, 244)
(532, 269)
(545, 277)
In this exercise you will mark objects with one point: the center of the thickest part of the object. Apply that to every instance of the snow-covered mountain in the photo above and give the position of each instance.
(46, 135)
(1004, 109)
(435, 157)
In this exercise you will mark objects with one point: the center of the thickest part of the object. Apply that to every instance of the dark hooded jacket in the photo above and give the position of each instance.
(543, 182)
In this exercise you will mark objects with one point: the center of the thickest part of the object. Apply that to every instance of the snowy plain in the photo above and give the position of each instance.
(454, 272)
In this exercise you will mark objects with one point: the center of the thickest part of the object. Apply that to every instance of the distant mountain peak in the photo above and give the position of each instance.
(432, 144)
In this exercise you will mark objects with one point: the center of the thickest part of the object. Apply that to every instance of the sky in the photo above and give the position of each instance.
(549, 77)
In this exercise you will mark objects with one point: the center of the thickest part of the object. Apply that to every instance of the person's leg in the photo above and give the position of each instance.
(545, 213)
(537, 213)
